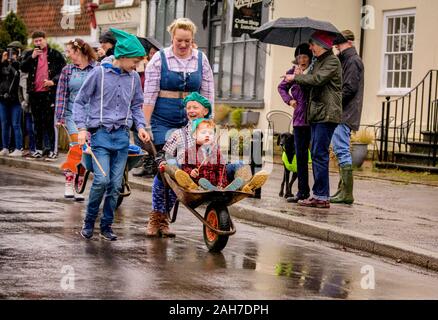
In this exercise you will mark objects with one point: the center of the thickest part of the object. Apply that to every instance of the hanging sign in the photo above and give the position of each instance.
(247, 16)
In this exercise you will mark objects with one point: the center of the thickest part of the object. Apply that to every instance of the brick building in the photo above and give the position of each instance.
(60, 19)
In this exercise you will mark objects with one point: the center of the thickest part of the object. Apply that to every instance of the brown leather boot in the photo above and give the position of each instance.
(153, 227)
(164, 227)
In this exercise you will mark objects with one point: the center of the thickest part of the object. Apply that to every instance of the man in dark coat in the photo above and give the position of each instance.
(352, 98)
(324, 112)
(44, 65)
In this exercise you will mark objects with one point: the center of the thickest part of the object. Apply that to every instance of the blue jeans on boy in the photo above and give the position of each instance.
(111, 150)
(321, 137)
(341, 144)
(302, 137)
(10, 116)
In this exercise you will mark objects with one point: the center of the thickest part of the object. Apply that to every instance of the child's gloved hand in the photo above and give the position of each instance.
(194, 173)
(162, 166)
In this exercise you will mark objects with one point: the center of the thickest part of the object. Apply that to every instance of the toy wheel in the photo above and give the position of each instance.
(218, 217)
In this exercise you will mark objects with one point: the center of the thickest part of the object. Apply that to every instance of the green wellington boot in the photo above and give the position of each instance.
(346, 194)
(340, 185)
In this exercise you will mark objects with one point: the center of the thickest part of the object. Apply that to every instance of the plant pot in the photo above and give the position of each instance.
(250, 118)
(359, 152)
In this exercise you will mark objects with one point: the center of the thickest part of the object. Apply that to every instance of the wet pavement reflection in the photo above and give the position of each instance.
(42, 256)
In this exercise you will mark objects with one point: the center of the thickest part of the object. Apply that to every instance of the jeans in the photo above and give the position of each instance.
(341, 144)
(111, 149)
(29, 130)
(232, 168)
(43, 115)
(302, 137)
(321, 137)
(11, 119)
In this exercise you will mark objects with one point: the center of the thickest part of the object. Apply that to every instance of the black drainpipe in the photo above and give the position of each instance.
(362, 32)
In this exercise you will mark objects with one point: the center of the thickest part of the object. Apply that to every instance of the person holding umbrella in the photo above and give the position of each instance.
(324, 111)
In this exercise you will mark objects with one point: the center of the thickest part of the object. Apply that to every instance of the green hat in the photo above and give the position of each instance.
(196, 122)
(194, 96)
(127, 45)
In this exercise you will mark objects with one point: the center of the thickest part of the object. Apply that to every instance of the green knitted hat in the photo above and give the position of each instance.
(127, 46)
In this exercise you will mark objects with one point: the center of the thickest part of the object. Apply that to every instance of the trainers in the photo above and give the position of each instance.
(257, 181)
(4, 152)
(207, 185)
(108, 234)
(235, 185)
(87, 231)
(68, 190)
(184, 180)
(16, 153)
(36, 155)
(78, 197)
(314, 203)
(51, 156)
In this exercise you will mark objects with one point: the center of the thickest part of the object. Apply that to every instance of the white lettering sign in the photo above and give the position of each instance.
(245, 3)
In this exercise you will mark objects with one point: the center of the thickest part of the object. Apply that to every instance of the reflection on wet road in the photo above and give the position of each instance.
(43, 256)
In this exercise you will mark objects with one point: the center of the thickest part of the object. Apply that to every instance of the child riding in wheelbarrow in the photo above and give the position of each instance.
(174, 153)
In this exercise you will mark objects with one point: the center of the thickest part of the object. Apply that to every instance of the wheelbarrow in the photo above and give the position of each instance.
(217, 223)
(135, 155)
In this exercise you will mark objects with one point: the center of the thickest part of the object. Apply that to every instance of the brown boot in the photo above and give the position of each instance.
(153, 227)
(164, 227)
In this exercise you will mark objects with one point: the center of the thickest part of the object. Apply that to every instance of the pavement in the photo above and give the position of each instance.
(389, 218)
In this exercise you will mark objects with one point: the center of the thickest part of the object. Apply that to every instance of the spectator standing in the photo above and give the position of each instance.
(43, 65)
(324, 112)
(352, 99)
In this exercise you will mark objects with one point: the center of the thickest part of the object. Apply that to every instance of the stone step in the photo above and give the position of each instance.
(407, 167)
(429, 136)
(422, 147)
(413, 158)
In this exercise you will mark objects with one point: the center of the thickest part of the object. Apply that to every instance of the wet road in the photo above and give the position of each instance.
(43, 256)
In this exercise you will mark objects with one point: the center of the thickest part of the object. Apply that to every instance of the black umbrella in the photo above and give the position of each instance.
(291, 32)
(149, 43)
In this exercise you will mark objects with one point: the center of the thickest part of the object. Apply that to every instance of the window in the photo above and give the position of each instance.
(398, 51)
(238, 63)
(124, 3)
(71, 7)
(161, 13)
(8, 6)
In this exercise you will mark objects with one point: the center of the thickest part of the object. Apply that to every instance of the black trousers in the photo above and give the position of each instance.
(302, 137)
(43, 111)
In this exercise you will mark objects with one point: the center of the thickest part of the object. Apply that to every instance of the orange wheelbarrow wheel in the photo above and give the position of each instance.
(218, 217)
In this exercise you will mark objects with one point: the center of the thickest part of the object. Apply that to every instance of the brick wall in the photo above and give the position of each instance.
(46, 15)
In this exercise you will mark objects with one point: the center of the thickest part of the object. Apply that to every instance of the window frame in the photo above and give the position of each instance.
(5, 12)
(403, 13)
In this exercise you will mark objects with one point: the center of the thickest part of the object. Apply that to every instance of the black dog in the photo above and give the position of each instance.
(286, 141)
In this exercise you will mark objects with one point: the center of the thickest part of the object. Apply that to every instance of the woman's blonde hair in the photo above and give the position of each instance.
(182, 23)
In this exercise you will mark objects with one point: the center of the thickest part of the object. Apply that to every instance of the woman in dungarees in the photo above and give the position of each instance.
(171, 75)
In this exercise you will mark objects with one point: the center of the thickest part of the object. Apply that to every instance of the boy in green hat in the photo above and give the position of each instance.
(108, 101)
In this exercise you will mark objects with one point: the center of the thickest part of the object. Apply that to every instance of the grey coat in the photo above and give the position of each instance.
(352, 88)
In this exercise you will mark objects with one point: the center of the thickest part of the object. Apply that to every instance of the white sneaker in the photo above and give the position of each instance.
(68, 191)
(78, 196)
(4, 152)
(16, 153)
